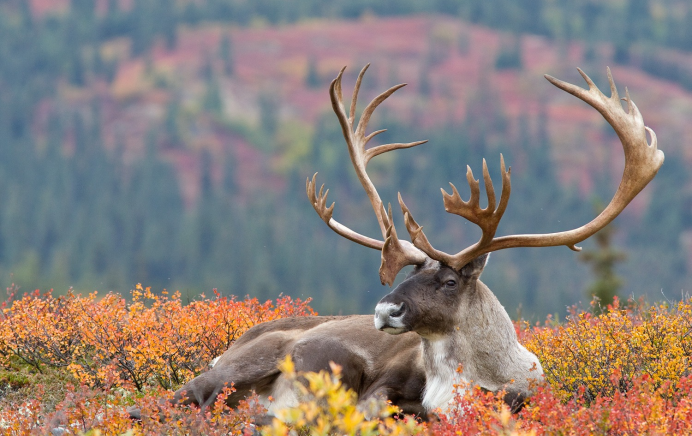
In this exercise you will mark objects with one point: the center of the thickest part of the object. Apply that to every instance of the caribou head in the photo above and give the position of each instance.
(443, 300)
(433, 300)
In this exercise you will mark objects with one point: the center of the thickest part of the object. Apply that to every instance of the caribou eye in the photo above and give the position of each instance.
(451, 283)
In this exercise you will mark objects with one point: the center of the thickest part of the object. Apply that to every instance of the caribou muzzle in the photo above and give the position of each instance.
(389, 317)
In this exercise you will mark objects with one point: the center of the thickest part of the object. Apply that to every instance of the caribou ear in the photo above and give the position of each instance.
(474, 269)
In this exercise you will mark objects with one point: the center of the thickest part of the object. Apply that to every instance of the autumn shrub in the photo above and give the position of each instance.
(37, 330)
(646, 408)
(152, 339)
(593, 356)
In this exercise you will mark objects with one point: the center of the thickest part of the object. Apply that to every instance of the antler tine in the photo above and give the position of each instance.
(613, 89)
(475, 189)
(354, 99)
(337, 104)
(489, 189)
(376, 151)
(506, 186)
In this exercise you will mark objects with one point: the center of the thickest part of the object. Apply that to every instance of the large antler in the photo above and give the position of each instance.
(395, 253)
(642, 162)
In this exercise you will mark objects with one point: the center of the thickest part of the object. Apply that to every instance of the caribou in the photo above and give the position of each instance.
(441, 316)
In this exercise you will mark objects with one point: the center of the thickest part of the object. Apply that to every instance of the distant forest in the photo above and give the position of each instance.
(88, 219)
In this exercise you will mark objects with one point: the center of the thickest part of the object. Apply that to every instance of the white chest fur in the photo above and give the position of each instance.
(441, 374)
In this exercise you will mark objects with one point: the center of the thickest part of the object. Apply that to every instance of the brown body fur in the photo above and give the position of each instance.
(375, 364)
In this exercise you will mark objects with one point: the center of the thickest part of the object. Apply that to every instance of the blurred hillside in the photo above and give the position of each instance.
(168, 142)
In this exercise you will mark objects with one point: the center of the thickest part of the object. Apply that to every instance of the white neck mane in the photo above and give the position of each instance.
(441, 373)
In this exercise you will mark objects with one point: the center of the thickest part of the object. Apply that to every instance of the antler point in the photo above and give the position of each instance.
(654, 140)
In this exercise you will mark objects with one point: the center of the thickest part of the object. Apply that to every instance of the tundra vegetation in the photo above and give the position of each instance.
(77, 362)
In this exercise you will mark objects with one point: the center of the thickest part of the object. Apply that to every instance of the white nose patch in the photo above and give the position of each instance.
(382, 316)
